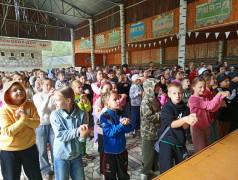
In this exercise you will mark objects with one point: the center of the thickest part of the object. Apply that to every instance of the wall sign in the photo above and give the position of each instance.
(85, 44)
(163, 24)
(213, 11)
(100, 40)
(114, 38)
(137, 31)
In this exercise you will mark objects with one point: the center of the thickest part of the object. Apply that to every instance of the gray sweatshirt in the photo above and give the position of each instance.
(134, 96)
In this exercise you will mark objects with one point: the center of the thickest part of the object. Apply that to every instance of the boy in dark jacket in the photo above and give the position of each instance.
(175, 115)
(114, 125)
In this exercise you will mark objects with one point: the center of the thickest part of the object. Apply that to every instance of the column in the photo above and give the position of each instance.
(92, 44)
(72, 43)
(221, 50)
(123, 38)
(182, 32)
(161, 55)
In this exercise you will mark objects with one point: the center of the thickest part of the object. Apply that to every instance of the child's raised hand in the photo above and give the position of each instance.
(84, 130)
(192, 119)
(87, 91)
(224, 94)
(125, 121)
(123, 96)
(51, 92)
(83, 97)
(19, 112)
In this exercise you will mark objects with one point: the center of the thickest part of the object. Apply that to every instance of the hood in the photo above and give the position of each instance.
(50, 75)
(149, 86)
(7, 86)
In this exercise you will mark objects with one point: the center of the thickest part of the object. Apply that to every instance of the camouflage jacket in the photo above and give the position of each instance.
(150, 111)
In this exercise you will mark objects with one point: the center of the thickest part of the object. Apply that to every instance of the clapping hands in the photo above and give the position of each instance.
(125, 121)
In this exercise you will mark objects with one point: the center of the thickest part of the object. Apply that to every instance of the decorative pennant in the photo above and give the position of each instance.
(196, 34)
(139, 45)
(165, 40)
(149, 45)
(237, 32)
(128, 45)
(177, 36)
(189, 34)
(132, 45)
(160, 43)
(227, 34)
(115, 49)
(112, 50)
(154, 44)
(217, 34)
(144, 45)
(171, 38)
(136, 46)
(109, 51)
(207, 34)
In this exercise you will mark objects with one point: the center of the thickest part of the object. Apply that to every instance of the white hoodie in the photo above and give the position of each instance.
(44, 106)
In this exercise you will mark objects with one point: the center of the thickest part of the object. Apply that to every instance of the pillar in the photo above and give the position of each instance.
(123, 38)
(221, 50)
(72, 43)
(161, 55)
(182, 33)
(92, 43)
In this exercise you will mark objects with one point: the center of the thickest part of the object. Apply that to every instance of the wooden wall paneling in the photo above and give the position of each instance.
(114, 58)
(144, 56)
(232, 47)
(80, 59)
(170, 53)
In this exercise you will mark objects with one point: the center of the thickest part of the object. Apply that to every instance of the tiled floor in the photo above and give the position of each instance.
(134, 151)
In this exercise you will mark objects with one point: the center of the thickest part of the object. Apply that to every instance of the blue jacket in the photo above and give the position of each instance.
(67, 143)
(114, 140)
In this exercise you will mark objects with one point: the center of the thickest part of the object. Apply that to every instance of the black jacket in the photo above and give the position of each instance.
(169, 113)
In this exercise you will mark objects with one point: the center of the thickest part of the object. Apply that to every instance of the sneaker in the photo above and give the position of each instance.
(47, 176)
(143, 177)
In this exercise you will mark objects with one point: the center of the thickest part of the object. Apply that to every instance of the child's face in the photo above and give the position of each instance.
(199, 88)
(47, 86)
(175, 94)
(78, 89)
(61, 77)
(157, 88)
(163, 80)
(20, 79)
(222, 70)
(111, 75)
(83, 79)
(42, 75)
(114, 87)
(113, 102)
(122, 79)
(61, 102)
(16, 94)
(179, 75)
(225, 83)
(106, 88)
(185, 84)
(99, 75)
(213, 81)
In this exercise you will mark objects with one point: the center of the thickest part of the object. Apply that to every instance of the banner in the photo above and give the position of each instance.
(100, 40)
(163, 24)
(137, 31)
(85, 44)
(114, 38)
(215, 10)
(24, 44)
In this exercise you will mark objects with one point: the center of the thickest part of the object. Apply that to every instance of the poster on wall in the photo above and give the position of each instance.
(163, 24)
(137, 31)
(100, 40)
(213, 11)
(114, 38)
(85, 44)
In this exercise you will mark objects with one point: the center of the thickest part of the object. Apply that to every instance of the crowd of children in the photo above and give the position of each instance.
(165, 108)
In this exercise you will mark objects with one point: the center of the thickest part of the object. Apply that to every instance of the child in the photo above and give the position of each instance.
(18, 119)
(150, 124)
(210, 94)
(38, 82)
(194, 72)
(227, 113)
(112, 77)
(186, 89)
(177, 76)
(70, 127)
(201, 106)
(83, 104)
(44, 103)
(123, 87)
(162, 95)
(136, 98)
(114, 125)
(96, 87)
(61, 80)
(175, 116)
